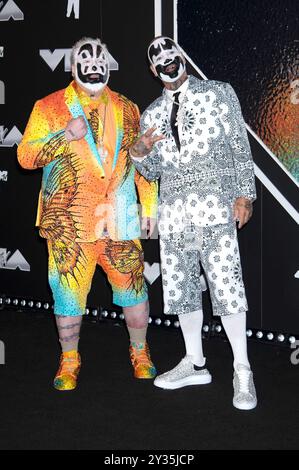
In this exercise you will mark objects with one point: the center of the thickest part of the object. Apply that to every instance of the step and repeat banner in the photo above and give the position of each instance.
(250, 48)
(35, 43)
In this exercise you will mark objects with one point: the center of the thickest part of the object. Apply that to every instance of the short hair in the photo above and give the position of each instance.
(82, 41)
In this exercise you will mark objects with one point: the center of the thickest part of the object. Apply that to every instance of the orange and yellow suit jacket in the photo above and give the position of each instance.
(81, 197)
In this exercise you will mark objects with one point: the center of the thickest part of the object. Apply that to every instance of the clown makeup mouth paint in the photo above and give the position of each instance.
(91, 66)
(167, 59)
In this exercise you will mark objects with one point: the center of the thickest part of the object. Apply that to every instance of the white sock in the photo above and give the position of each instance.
(235, 329)
(191, 325)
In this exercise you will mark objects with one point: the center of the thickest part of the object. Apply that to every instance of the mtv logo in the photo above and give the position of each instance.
(9, 139)
(54, 58)
(73, 5)
(1, 51)
(14, 261)
(3, 175)
(2, 93)
(10, 10)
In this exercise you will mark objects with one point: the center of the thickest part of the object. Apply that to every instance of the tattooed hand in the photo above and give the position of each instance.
(76, 129)
(145, 143)
(242, 210)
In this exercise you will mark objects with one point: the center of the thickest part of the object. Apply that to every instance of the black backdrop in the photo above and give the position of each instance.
(269, 244)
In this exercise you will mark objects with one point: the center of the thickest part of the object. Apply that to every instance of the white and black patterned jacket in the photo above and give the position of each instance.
(214, 165)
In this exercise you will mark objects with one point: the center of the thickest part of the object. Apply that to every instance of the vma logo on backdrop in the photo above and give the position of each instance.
(10, 9)
(3, 175)
(73, 5)
(151, 272)
(13, 261)
(54, 58)
(9, 139)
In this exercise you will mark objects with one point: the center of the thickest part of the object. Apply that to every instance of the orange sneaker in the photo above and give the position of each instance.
(141, 361)
(69, 368)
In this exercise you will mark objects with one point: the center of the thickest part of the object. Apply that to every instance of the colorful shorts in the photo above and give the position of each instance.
(72, 266)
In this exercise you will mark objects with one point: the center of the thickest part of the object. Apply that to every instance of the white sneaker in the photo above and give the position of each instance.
(244, 389)
(185, 373)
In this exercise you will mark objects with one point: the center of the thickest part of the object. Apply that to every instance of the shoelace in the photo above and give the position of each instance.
(68, 364)
(141, 355)
(244, 376)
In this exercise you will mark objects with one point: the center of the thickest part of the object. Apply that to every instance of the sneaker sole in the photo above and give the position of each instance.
(245, 407)
(183, 382)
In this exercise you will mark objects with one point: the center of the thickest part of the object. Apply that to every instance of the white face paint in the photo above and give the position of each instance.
(167, 59)
(92, 66)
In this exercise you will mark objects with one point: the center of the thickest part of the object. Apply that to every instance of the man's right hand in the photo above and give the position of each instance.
(145, 143)
(76, 129)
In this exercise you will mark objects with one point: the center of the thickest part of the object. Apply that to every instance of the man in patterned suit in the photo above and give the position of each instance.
(194, 139)
(88, 211)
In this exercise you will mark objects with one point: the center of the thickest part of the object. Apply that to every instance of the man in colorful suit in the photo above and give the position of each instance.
(201, 154)
(88, 211)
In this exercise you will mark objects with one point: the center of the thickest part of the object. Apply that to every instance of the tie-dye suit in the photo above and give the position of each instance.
(88, 208)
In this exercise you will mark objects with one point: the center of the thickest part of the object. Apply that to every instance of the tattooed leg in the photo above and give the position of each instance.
(69, 331)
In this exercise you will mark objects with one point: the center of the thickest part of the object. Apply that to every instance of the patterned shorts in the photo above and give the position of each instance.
(72, 266)
(216, 249)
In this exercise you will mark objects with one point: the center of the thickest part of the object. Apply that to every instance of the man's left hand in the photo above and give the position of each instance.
(148, 224)
(242, 210)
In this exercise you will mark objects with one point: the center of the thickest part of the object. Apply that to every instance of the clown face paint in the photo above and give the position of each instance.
(167, 59)
(91, 66)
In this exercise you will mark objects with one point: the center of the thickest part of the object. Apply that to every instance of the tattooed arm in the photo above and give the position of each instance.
(145, 157)
(144, 144)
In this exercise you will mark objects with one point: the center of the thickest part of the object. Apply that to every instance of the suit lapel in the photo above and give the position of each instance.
(117, 109)
(73, 103)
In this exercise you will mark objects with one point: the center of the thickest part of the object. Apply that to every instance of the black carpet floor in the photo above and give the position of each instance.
(113, 411)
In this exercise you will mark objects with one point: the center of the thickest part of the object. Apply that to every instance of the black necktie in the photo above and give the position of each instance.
(173, 118)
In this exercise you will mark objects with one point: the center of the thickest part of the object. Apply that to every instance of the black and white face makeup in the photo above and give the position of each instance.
(167, 59)
(91, 66)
